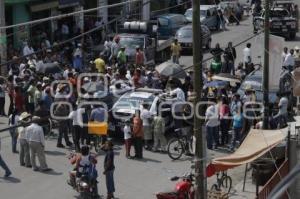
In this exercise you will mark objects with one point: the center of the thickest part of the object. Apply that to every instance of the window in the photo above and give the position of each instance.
(162, 22)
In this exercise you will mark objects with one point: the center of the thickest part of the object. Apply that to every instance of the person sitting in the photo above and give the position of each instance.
(85, 164)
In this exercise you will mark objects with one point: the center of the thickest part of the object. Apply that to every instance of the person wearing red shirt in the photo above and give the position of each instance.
(19, 100)
(138, 135)
(139, 57)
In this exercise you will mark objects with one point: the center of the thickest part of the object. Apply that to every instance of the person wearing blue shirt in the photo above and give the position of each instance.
(237, 128)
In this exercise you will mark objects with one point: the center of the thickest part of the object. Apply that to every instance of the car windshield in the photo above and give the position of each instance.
(131, 42)
(279, 13)
(189, 13)
(129, 102)
(184, 33)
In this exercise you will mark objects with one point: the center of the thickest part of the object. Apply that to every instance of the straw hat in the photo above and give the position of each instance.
(24, 116)
(61, 86)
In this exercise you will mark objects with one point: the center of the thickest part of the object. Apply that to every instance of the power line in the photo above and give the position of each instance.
(68, 14)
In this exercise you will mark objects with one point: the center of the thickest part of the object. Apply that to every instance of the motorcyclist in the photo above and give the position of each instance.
(85, 164)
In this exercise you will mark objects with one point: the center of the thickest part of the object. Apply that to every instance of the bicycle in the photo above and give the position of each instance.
(179, 145)
(224, 183)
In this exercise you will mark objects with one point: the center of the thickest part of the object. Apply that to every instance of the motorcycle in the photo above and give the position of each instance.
(184, 189)
(86, 187)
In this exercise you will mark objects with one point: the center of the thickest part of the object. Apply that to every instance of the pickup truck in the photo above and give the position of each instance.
(143, 34)
(281, 23)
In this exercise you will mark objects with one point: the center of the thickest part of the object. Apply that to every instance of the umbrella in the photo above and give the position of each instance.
(49, 68)
(92, 87)
(216, 84)
(171, 70)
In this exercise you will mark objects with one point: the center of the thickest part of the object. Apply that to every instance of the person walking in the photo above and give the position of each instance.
(158, 125)
(12, 121)
(139, 57)
(127, 137)
(138, 135)
(109, 168)
(176, 50)
(4, 165)
(24, 154)
(36, 139)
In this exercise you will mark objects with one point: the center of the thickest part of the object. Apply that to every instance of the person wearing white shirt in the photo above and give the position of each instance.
(27, 50)
(24, 154)
(12, 121)
(282, 114)
(212, 122)
(284, 53)
(77, 123)
(146, 116)
(247, 55)
(289, 60)
(127, 138)
(35, 137)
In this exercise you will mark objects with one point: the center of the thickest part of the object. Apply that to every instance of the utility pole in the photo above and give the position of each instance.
(3, 41)
(266, 65)
(200, 187)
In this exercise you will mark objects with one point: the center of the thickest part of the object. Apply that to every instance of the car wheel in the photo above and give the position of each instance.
(208, 45)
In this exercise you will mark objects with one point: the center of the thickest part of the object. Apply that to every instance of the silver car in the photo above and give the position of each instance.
(185, 37)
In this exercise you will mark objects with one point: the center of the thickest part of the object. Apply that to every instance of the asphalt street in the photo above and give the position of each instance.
(134, 179)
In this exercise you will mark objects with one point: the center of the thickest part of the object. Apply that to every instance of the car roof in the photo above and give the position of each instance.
(205, 7)
(138, 94)
(132, 35)
(169, 15)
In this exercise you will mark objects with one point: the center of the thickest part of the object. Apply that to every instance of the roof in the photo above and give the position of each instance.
(132, 35)
(169, 15)
(138, 94)
(205, 7)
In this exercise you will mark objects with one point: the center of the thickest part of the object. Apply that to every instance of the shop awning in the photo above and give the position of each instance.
(257, 143)
(44, 6)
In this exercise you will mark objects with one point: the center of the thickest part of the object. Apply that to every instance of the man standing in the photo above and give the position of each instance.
(247, 56)
(230, 52)
(24, 146)
(122, 59)
(289, 60)
(146, 117)
(176, 49)
(138, 135)
(284, 53)
(100, 64)
(158, 132)
(4, 166)
(115, 48)
(109, 168)
(36, 139)
(212, 123)
(282, 114)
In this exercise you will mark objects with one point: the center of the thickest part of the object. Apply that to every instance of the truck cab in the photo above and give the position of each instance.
(281, 23)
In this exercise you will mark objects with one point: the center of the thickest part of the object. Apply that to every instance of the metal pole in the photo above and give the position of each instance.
(200, 186)
(3, 41)
(266, 66)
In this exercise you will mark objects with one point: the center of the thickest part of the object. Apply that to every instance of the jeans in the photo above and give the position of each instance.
(77, 135)
(212, 136)
(110, 184)
(224, 131)
(63, 131)
(138, 147)
(14, 139)
(4, 166)
(175, 59)
(236, 136)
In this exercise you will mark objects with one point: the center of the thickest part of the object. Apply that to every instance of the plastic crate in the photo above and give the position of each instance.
(97, 128)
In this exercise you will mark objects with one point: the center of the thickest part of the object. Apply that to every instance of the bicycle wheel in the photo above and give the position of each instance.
(226, 184)
(214, 187)
(175, 148)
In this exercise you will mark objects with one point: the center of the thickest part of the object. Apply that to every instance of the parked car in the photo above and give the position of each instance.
(185, 37)
(281, 23)
(254, 80)
(168, 24)
(208, 16)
